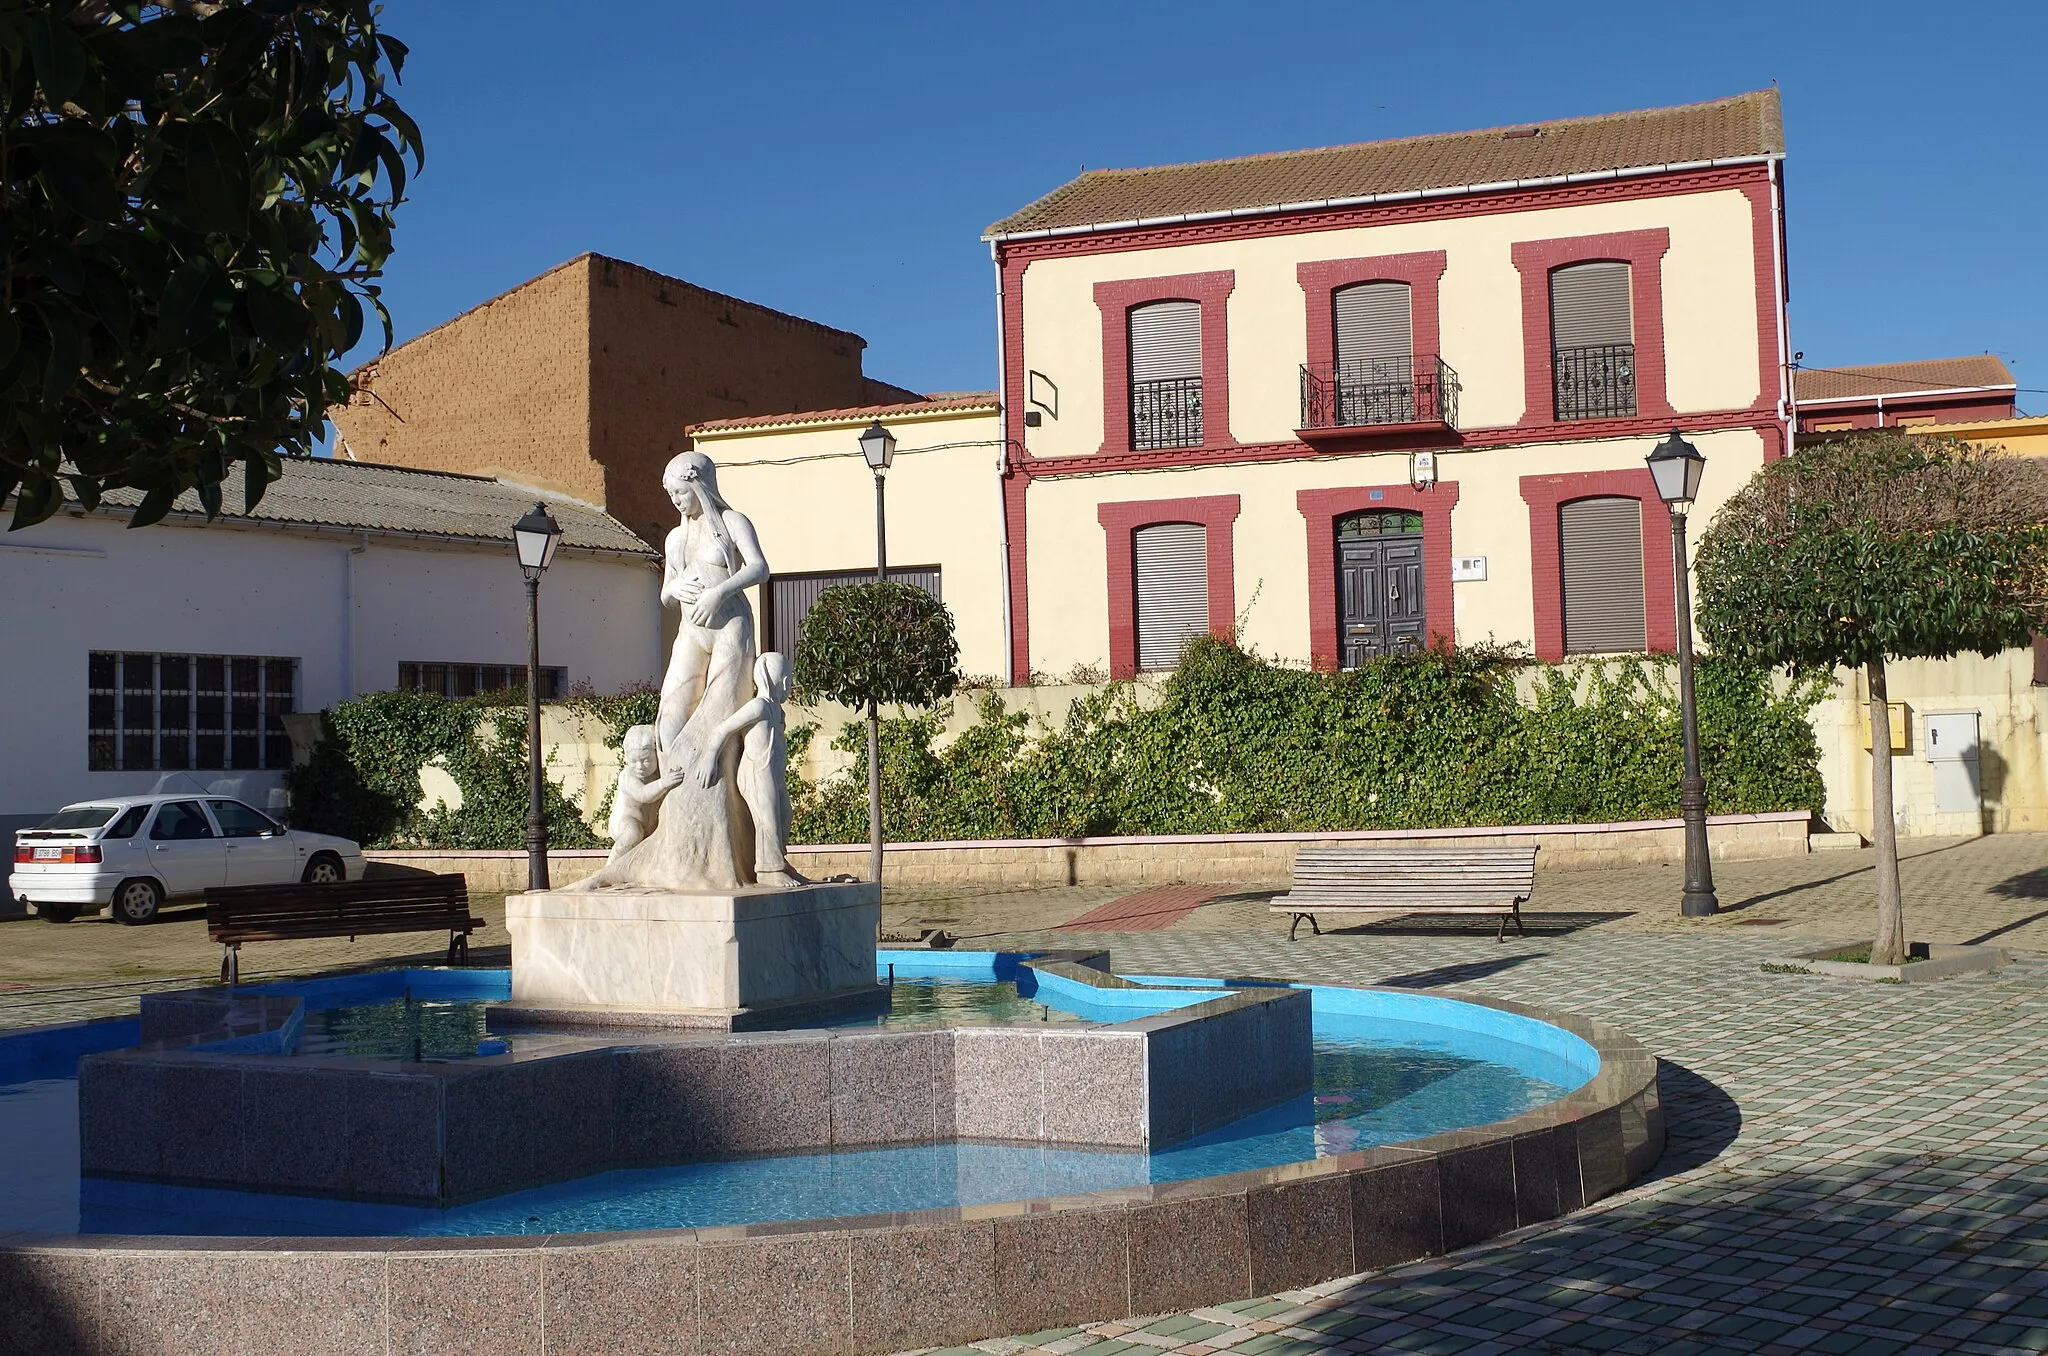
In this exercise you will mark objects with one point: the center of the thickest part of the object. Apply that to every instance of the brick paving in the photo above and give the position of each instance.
(1149, 910)
(1853, 1167)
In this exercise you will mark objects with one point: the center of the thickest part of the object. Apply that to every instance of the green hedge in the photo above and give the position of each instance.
(1238, 745)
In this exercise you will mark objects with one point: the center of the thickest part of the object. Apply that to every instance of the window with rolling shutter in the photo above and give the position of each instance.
(1171, 573)
(1600, 555)
(1166, 374)
(1372, 324)
(789, 598)
(1592, 340)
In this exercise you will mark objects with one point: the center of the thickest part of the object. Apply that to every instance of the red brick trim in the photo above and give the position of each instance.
(1643, 252)
(1770, 370)
(1017, 462)
(1215, 512)
(1116, 299)
(1322, 508)
(1421, 271)
(1632, 188)
(1544, 495)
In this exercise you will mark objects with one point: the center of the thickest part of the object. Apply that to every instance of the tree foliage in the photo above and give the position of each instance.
(1238, 745)
(1887, 544)
(199, 202)
(888, 643)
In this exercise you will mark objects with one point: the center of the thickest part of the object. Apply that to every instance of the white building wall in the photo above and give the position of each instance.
(78, 584)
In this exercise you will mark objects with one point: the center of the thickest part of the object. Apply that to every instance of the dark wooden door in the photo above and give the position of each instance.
(1379, 595)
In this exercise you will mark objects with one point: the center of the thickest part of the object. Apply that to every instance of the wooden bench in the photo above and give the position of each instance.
(351, 909)
(1383, 881)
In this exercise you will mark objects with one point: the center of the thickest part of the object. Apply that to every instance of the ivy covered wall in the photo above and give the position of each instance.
(1235, 745)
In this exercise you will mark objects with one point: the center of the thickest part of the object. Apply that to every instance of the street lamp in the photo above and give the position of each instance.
(536, 536)
(878, 448)
(1676, 466)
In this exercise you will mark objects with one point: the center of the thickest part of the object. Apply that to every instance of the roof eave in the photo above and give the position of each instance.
(1367, 200)
(2010, 388)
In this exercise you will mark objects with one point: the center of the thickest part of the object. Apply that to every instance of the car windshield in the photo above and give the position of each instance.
(80, 817)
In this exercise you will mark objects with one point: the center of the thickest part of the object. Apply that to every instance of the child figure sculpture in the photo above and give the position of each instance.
(636, 802)
(764, 752)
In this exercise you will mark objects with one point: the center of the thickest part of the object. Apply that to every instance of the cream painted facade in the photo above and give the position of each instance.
(811, 497)
(1069, 560)
(1709, 296)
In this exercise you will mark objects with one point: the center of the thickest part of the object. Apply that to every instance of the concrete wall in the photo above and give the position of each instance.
(583, 379)
(2012, 729)
(1209, 859)
(811, 497)
(74, 585)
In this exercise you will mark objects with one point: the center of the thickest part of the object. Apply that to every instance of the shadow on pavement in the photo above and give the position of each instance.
(1700, 1120)
(1546, 924)
(1459, 974)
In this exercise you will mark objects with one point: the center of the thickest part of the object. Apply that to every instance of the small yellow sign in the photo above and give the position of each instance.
(1898, 714)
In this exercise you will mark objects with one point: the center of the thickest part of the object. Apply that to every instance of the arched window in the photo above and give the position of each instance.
(1170, 570)
(1592, 340)
(1600, 560)
(1166, 374)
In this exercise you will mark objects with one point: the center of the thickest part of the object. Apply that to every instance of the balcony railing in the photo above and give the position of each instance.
(1166, 413)
(1595, 383)
(1416, 388)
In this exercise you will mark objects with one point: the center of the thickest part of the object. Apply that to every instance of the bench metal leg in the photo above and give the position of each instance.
(458, 948)
(1297, 923)
(231, 965)
(1520, 931)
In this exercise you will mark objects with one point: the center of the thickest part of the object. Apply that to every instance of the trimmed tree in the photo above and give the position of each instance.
(867, 644)
(199, 203)
(1884, 545)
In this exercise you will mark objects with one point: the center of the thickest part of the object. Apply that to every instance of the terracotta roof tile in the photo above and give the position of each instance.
(1876, 379)
(1745, 126)
(963, 400)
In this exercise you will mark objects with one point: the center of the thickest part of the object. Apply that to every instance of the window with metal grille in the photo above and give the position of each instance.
(1166, 374)
(1170, 569)
(188, 712)
(1373, 326)
(790, 597)
(1600, 554)
(470, 680)
(1592, 340)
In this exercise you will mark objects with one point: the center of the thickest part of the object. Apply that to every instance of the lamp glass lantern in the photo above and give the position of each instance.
(536, 535)
(1677, 466)
(878, 445)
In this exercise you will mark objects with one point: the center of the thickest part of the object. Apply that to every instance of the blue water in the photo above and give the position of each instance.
(1388, 1067)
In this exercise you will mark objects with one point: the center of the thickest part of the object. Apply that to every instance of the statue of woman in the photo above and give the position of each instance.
(709, 561)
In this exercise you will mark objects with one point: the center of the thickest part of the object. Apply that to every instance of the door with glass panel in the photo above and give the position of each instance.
(1380, 606)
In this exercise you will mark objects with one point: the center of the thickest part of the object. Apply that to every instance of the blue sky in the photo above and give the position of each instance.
(840, 161)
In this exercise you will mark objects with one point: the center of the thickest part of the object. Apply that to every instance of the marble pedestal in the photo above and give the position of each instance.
(675, 958)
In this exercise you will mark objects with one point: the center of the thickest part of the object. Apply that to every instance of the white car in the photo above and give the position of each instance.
(134, 852)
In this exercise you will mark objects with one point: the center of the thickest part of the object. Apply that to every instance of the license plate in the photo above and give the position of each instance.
(44, 854)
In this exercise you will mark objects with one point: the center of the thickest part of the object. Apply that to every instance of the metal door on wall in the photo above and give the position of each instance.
(1379, 585)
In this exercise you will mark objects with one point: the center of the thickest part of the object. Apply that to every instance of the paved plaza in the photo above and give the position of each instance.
(1853, 1167)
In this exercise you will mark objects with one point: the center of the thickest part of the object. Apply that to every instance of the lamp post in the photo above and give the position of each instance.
(878, 447)
(1676, 466)
(535, 536)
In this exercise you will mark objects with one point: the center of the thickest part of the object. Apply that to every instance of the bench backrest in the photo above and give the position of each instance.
(1440, 875)
(385, 900)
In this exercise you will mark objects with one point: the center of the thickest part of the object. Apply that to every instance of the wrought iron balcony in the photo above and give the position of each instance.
(1595, 383)
(1166, 413)
(1412, 389)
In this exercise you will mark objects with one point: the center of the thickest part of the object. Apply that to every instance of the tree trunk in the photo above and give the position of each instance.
(1889, 947)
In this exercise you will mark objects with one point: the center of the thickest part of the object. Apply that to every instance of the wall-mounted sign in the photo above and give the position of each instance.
(1467, 568)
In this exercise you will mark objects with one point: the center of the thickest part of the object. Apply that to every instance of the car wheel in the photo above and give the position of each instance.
(138, 900)
(56, 913)
(324, 869)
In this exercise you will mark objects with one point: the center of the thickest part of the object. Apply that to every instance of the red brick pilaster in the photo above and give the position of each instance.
(1217, 514)
(1322, 508)
(1544, 496)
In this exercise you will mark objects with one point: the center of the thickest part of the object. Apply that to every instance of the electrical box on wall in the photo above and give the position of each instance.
(1899, 716)
(1422, 468)
(1466, 569)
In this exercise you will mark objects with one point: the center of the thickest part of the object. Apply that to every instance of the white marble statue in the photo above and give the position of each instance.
(763, 772)
(637, 797)
(701, 833)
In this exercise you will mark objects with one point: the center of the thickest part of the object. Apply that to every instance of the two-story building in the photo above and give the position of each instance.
(1336, 402)
(1342, 402)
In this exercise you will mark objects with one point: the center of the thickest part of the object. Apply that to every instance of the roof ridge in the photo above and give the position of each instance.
(1578, 120)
